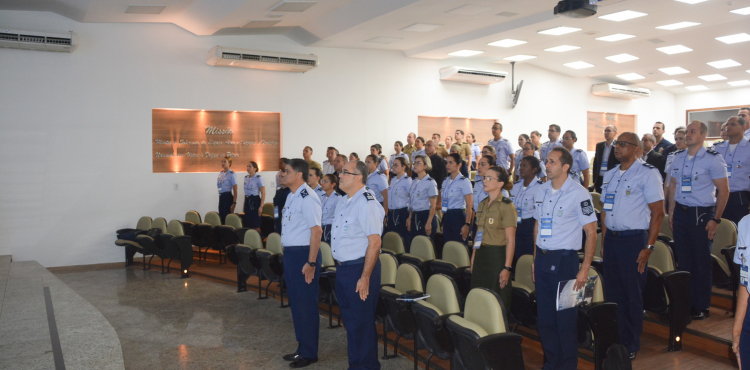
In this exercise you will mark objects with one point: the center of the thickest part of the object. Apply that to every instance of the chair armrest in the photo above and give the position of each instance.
(390, 285)
(502, 350)
(127, 243)
(127, 230)
(441, 334)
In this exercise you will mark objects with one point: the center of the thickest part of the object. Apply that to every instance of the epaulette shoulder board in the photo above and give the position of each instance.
(648, 165)
(712, 152)
(368, 196)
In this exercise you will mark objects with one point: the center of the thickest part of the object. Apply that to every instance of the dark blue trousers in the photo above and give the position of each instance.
(418, 221)
(737, 206)
(524, 239)
(225, 205)
(453, 221)
(326, 237)
(251, 207)
(745, 338)
(558, 330)
(397, 223)
(624, 284)
(693, 251)
(359, 315)
(303, 298)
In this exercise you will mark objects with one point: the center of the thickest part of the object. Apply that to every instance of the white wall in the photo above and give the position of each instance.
(709, 99)
(76, 128)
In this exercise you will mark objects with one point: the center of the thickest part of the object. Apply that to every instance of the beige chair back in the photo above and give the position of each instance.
(597, 199)
(393, 242)
(523, 271)
(194, 217)
(661, 258)
(233, 220)
(327, 255)
(456, 253)
(273, 243)
(388, 268)
(268, 209)
(253, 240)
(726, 236)
(665, 229)
(421, 246)
(486, 311)
(160, 223)
(175, 228)
(408, 278)
(213, 219)
(442, 291)
(144, 223)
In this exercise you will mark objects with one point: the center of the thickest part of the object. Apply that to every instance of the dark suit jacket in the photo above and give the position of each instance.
(657, 160)
(611, 162)
(439, 172)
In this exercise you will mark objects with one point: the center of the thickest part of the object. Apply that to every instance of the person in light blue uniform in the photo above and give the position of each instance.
(741, 329)
(744, 113)
(580, 169)
(376, 180)
(313, 181)
(329, 201)
(356, 244)
(504, 154)
(476, 151)
(300, 238)
(522, 195)
(554, 141)
(695, 209)
(398, 199)
(227, 184)
(631, 218)
(255, 196)
(528, 151)
(419, 150)
(377, 150)
(736, 153)
(398, 147)
(563, 207)
(422, 200)
(457, 202)
(679, 143)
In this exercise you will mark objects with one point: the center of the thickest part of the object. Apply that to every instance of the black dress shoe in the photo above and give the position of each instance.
(302, 362)
(699, 315)
(291, 357)
(632, 356)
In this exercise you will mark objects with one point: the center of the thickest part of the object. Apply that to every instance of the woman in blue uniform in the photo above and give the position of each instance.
(353, 156)
(422, 200)
(457, 201)
(528, 150)
(255, 195)
(580, 169)
(377, 150)
(522, 196)
(398, 199)
(227, 184)
(398, 147)
(377, 181)
(328, 204)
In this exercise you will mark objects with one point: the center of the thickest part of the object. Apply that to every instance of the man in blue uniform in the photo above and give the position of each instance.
(300, 238)
(503, 148)
(563, 208)
(698, 192)
(632, 213)
(744, 113)
(331, 154)
(355, 243)
(736, 153)
(554, 141)
(661, 143)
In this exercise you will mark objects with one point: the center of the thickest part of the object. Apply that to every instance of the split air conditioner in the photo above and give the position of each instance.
(44, 41)
(476, 76)
(268, 60)
(620, 91)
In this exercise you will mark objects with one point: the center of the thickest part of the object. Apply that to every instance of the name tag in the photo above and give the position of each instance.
(276, 212)
(445, 205)
(520, 211)
(609, 202)
(546, 226)
(729, 170)
(218, 185)
(687, 185)
(478, 239)
(743, 275)
(604, 166)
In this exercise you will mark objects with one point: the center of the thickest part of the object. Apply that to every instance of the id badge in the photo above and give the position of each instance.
(609, 202)
(276, 212)
(604, 166)
(218, 185)
(546, 226)
(743, 275)
(478, 239)
(687, 185)
(445, 205)
(729, 170)
(520, 211)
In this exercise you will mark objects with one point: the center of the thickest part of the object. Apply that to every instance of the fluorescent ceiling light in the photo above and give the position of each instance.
(506, 43)
(712, 78)
(622, 58)
(557, 31)
(677, 26)
(519, 58)
(631, 76)
(691, 1)
(741, 11)
(739, 83)
(465, 53)
(578, 65)
(623, 15)
(421, 27)
(669, 83)
(696, 87)
(726, 63)
(733, 39)
(674, 70)
(674, 49)
(561, 48)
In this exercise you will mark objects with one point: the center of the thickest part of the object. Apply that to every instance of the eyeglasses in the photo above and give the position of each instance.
(325, 182)
(623, 144)
(345, 172)
(488, 179)
(495, 128)
(416, 163)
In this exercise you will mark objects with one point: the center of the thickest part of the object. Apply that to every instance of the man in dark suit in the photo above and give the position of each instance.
(604, 159)
(650, 155)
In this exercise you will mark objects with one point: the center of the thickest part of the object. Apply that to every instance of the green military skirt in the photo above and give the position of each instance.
(489, 262)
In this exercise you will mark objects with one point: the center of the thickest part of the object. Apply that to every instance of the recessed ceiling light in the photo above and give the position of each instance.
(623, 15)
(622, 58)
(691, 1)
(293, 6)
(506, 43)
(677, 26)
(669, 83)
(383, 40)
(465, 53)
(260, 24)
(712, 78)
(733, 39)
(631, 76)
(726, 63)
(674, 49)
(739, 83)
(145, 9)
(561, 48)
(519, 58)
(615, 37)
(741, 11)
(421, 27)
(578, 65)
(696, 87)
(469, 9)
(557, 31)
(674, 70)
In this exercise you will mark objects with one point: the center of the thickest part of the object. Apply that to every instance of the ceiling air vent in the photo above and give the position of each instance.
(477, 76)
(268, 60)
(38, 40)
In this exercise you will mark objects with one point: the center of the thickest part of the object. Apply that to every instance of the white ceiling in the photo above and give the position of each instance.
(351, 23)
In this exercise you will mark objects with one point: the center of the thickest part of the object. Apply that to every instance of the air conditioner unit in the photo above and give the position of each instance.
(268, 60)
(476, 76)
(620, 91)
(43, 41)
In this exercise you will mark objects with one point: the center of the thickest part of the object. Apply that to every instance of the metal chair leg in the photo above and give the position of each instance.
(395, 349)
(385, 338)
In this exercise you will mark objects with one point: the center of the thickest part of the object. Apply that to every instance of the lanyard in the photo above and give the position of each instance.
(521, 194)
(555, 205)
(695, 159)
(619, 181)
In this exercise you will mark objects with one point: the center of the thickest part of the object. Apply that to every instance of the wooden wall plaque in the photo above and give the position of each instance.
(597, 121)
(194, 140)
(447, 126)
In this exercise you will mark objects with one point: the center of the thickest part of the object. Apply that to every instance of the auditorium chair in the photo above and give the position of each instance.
(596, 200)
(271, 260)
(388, 268)
(734, 273)
(667, 292)
(230, 233)
(422, 253)
(430, 315)
(208, 234)
(243, 255)
(597, 322)
(455, 263)
(480, 336)
(151, 244)
(393, 244)
(665, 229)
(126, 238)
(400, 317)
(327, 282)
(726, 236)
(192, 218)
(523, 305)
(178, 246)
(267, 221)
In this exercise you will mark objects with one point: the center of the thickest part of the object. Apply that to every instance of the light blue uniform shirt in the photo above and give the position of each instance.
(747, 134)
(394, 156)
(562, 215)
(626, 196)
(253, 185)
(356, 218)
(479, 194)
(383, 165)
(739, 160)
(668, 166)
(225, 181)
(415, 153)
(541, 174)
(377, 182)
(580, 163)
(455, 191)
(547, 147)
(329, 207)
(320, 192)
(523, 197)
(476, 151)
(420, 193)
(398, 192)
(743, 242)
(503, 151)
(301, 212)
(694, 178)
(327, 168)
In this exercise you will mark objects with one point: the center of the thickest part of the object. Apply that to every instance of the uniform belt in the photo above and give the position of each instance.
(226, 192)
(398, 209)
(296, 248)
(700, 208)
(250, 196)
(626, 232)
(455, 210)
(564, 252)
(358, 261)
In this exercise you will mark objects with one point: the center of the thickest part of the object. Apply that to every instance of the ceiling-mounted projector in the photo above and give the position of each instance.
(576, 8)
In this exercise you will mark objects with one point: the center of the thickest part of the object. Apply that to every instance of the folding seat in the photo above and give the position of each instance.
(597, 200)
(126, 238)
(430, 315)
(734, 273)
(271, 260)
(399, 316)
(192, 218)
(455, 263)
(388, 268)
(230, 233)
(151, 241)
(327, 282)
(523, 306)
(393, 244)
(242, 256)
(481, 338)
(726, 236)
(665, 230)
(597, 322)
(422, 253)
(178, 246)
(208, 235)
(267, 221)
